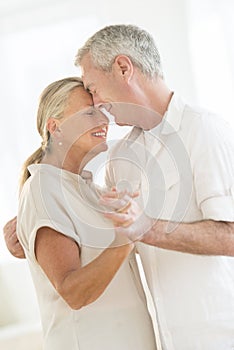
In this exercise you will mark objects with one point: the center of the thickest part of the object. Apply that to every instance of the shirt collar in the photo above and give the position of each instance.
(170, 122)
(85, 175)
(172, 118)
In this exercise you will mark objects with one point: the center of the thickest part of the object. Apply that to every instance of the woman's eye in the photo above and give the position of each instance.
(90, 112)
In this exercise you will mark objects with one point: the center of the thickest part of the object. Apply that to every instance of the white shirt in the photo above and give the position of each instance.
(119, 318)
(185, 170)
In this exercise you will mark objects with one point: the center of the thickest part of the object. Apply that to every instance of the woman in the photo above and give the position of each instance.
(88, 286)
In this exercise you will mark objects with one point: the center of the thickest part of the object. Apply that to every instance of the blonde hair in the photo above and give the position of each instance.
(52, 103)
(136, 43)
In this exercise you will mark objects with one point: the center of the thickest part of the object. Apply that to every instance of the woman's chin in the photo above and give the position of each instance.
(101, 147)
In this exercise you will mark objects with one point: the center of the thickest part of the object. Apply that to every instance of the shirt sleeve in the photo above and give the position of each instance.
(43, 205)
(213, 169)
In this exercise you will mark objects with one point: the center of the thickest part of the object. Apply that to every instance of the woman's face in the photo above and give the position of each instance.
(83, 128)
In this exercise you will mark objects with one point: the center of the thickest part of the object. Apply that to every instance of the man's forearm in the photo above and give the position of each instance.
(11, 239)
(206, 237)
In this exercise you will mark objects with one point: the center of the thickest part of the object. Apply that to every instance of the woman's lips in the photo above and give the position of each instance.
(101, 133)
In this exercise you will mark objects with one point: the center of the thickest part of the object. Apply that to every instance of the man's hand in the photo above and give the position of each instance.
(128, 218)
(11, 239)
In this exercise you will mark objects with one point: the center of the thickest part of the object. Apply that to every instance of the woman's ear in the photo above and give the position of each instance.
(53, 126)
(124, 67)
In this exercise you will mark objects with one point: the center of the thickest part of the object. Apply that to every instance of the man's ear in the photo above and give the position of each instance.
(53, 126)
(124, 67)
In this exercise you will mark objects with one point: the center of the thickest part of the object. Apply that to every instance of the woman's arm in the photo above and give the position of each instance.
(58, 256)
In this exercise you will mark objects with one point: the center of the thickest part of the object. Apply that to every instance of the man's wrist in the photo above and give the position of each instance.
(155, 233)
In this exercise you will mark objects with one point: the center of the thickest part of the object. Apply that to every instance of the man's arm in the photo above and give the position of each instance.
(206, 237)
(11, 239)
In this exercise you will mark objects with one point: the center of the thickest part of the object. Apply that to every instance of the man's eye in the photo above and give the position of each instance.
(91, 91)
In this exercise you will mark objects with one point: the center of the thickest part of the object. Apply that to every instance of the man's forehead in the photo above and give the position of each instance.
(87, 81)
(89, 78)
(86, 74)
(86, 63)
(83, 71)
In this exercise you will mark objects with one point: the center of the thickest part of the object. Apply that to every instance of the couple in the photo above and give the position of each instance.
(185, 167)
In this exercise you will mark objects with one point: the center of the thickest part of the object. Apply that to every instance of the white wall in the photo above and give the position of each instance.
(38, 42)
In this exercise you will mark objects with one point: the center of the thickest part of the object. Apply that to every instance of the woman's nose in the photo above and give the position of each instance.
(103, 118)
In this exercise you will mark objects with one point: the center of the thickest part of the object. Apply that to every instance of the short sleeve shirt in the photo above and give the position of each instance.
(185, 167)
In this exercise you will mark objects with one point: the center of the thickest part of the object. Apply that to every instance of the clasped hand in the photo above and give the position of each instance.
(127, 216)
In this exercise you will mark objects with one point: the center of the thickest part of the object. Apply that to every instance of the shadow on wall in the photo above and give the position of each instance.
(20, 326)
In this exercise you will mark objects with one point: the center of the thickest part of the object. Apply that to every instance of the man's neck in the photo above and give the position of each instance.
(157, 97)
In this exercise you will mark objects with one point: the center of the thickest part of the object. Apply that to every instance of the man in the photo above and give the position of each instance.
(184, 168)
(189, 168)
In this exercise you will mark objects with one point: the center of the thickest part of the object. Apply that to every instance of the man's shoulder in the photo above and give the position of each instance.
(184, 116)
(199, 125)
(205, 127)
(197, 118)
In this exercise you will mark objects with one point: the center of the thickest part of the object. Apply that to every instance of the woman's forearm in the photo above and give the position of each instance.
(84, 285)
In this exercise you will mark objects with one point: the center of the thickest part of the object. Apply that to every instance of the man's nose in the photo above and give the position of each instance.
(104, 106)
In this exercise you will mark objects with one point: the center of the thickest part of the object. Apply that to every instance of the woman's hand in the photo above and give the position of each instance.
(116, 200)
(11, 239)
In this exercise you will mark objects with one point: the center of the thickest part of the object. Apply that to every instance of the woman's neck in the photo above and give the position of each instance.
(67, 162)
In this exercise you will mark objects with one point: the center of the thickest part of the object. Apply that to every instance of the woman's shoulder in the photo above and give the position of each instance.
(44, 181)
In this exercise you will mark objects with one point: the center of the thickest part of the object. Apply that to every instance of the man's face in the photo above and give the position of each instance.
(124, 97)
(104, 86)
(107, 88)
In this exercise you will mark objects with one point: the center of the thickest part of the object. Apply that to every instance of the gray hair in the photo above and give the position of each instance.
(106, 44)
